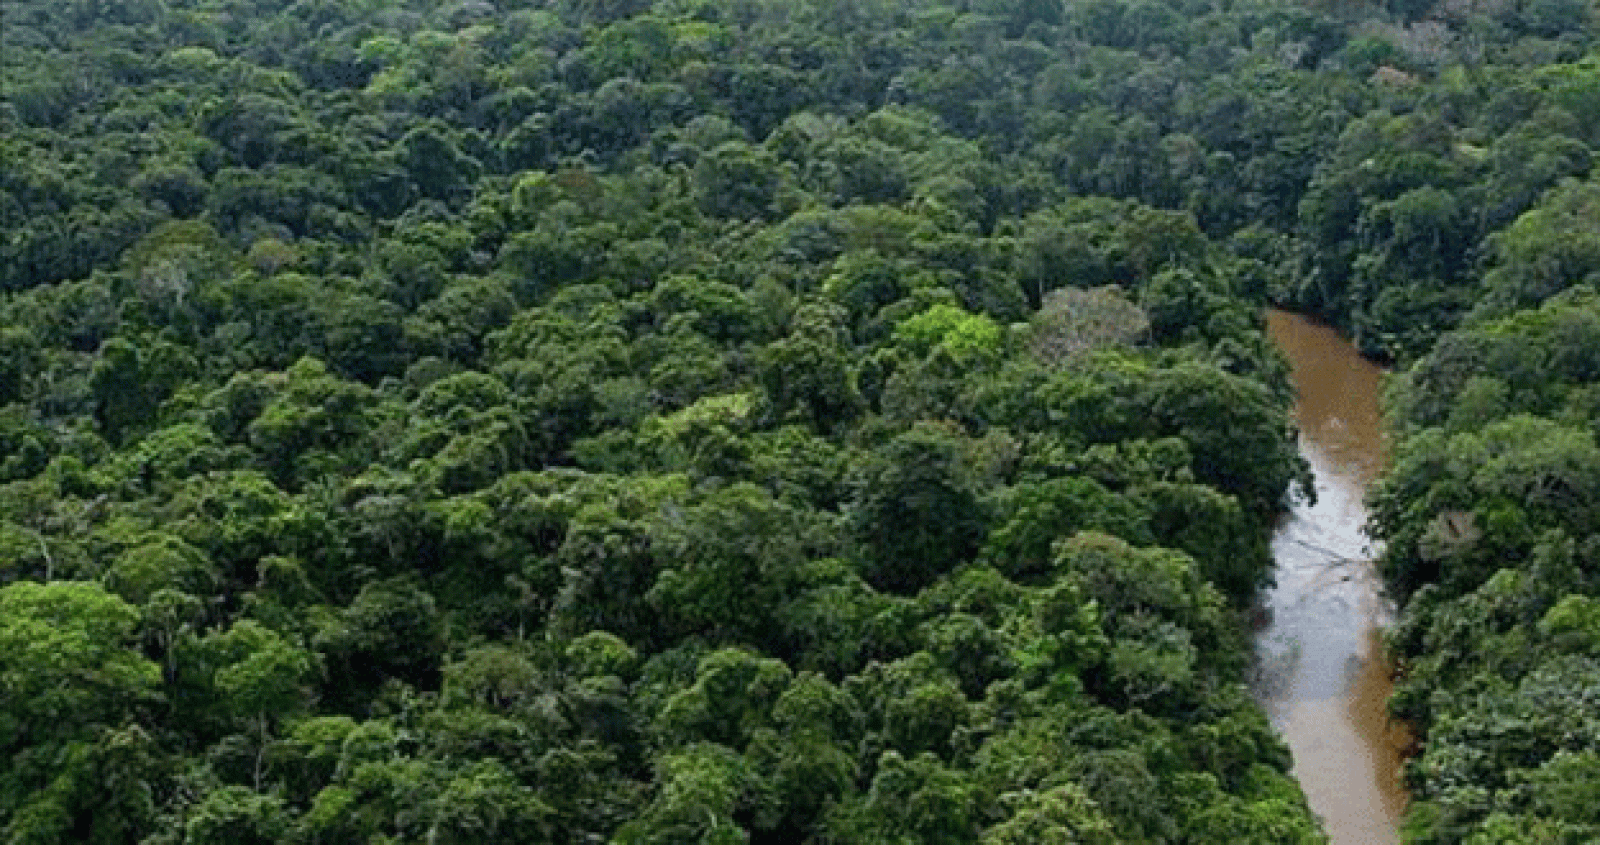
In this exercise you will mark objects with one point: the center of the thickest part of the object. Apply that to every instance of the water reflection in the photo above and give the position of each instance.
(1321, 674)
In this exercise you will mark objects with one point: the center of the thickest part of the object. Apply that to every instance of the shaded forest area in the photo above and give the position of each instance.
(755, 421)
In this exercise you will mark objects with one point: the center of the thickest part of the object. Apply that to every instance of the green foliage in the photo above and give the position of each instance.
(158, 563)
(1036, 514)
(68, 662)
(258, 673)
(1488, 518)
(391, 630)
(236, 814)
(1234, 430)
(733, 561)
(702, 788)
(737, 181)
(1548, 249)
(969, 338)
(773, 422)
(72, 684)
(807, 374)
(916, 516)
(1060, 816)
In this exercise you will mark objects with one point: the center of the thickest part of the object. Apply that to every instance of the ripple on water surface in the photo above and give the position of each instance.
(1321, 673)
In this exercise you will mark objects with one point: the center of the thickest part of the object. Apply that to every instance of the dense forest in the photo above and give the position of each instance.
(774, 421)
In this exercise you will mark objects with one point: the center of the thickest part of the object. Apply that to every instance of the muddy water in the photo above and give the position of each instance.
(1321, 674)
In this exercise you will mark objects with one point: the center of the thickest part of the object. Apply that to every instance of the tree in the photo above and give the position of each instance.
(70, 678)
(438, 167)
(485, 803)
(1063, 815)
(1237, 433)
(1165, 622)
(1440, 520)
(313, 422)
(20, 352)
(1073, 321)
(122, 398)
(808, 373)
(68, 665)
(160, 562)
(702, 789)
(971, 339)
(1214, 529)
(235, 814)
(391, 630)
(733, 695)
(1548, 249)
(916, 799)
(259, 675)
(738, 182)
(733, 560)
(915, 514)
(1031, 516)
(607, 565)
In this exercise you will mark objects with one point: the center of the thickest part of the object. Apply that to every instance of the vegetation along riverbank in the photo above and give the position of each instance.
(774, 421)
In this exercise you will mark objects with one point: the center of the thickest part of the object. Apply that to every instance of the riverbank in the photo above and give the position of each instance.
(1322, 675)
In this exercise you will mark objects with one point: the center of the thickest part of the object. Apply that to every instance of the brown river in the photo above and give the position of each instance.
(1321, 673)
